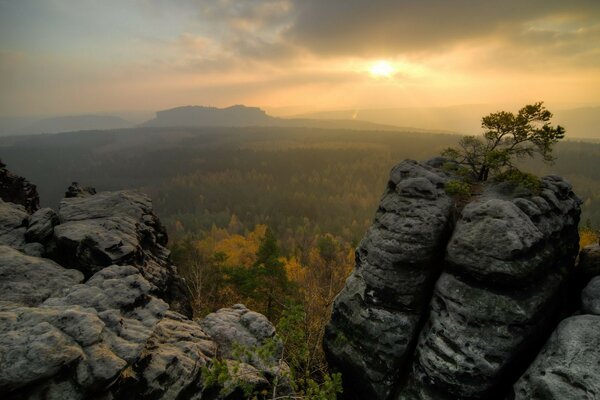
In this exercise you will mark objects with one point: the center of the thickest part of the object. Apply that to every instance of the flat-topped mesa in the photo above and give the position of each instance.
(488, 288)
(377, 315)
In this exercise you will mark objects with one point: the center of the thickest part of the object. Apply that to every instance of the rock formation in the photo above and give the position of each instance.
(92, 307)
(453, 301)
(18, 190)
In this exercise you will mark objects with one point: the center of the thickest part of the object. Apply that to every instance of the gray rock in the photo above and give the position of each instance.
(172, 364)
(589, 262)
(41, 225)
(568, 365)
(238, 328)
(30, 280)
(91, 334)
(475, 336)
(376, 317)
(118, 228)
(34, 249)
(495, 241)
(237, 325)
(590, 297)
(506, 262)
(13, 224)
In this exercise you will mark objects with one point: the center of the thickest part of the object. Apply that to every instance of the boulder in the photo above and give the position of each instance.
(119, 228)
(85, 337)
(568, 365)
(41, 225)
(28, 281)
(171, 365)
(13, 224)
(590, 297)
(376, 317)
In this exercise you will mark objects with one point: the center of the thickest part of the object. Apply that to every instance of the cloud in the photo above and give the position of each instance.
(391, 27)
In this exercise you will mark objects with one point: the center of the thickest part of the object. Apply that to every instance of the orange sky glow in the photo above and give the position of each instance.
(68, 57)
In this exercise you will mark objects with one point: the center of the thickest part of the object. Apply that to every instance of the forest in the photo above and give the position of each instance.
(268, 217)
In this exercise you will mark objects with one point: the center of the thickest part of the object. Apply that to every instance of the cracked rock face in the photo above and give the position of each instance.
(568, 365)
(94, 330)
(376, 317)
(107, 326)
(30, 280)
(118, 228)
(442, 306)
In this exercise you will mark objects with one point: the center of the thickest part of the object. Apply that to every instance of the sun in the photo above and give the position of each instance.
(382, 69)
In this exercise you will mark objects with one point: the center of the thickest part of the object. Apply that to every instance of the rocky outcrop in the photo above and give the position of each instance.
(17, 190)
(108, 228)
(76, 190)
(30, 280)
(590, 297)
(500, 293)
(41, 225)
(376, 318)
(447, 306)
(99, 320)
(568, 365)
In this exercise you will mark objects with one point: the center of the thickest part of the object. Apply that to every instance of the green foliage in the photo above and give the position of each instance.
(458, 188)
(290, 345)
(519, 178)
(507, 138)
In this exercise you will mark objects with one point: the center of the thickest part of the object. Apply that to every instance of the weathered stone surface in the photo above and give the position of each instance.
(568, 367)
(29, 280)
(171, 363)
(475, 336)
(237, 326)
(90, 334)
(589, 262)
(118, 228)
(41, 225)
(110, 337)
(506, 262)
(590, 297)
(376, 317)
(17, 190)
(13, 224)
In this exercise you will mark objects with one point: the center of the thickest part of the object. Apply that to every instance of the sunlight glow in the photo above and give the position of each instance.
(382, 69)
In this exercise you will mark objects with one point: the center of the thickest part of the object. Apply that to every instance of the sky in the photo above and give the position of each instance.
(60, 57)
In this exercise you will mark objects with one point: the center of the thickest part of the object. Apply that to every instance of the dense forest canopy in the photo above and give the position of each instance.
(319, 180)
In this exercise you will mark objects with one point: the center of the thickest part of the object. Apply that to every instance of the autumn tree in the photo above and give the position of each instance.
(508, 137)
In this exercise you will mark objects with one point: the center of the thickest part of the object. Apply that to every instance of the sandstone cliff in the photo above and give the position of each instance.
(454, 301)
(92, 307)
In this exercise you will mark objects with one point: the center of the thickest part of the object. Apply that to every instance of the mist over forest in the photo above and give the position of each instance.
(327, 179)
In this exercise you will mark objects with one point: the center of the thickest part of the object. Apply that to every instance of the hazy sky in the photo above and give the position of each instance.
(76, 56)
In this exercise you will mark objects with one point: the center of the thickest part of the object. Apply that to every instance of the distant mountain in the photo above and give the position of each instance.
(210, 116)
(239, 115)
(579, 122)
(74, 123)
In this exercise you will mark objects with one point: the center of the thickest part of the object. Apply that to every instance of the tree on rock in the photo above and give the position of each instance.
(507, 138)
